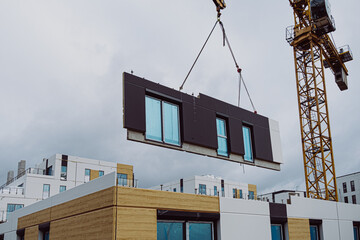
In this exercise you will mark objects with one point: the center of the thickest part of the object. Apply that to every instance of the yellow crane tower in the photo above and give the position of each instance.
(313, 51)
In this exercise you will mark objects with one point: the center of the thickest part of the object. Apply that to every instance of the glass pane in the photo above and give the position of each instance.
(171, 123)
(122, 179)
(220, 126)
(241, 196)
(251, 195)
(222, 147)
(169, 231)
(18, 206)
(314, 232)
(276, 232)
(153, 119)
(247, 144)
(101, 173)
(87, 172)
(356, 232)
(46, 235)
(200, 231)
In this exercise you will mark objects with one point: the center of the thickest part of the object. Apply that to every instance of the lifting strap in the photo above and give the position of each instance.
(225, 42)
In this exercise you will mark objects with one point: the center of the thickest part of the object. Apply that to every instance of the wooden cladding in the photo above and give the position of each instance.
(299, 229)
(94, 174)
(131, 197)
(32, 233)
(252, 188)
(98, 224)
(136, 223)
(114, 213)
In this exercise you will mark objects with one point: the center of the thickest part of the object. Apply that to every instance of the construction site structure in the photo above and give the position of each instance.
(314, 50)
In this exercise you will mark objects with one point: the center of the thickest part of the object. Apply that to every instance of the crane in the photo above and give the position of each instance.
(314, 50)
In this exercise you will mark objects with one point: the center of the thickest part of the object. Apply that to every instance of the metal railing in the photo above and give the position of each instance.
(12, 190)
(127, 182)
(29, 170)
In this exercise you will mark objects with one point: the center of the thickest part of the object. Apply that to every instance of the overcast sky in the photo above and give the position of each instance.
(61, 65)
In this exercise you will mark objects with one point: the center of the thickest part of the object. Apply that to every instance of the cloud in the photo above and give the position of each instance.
(61, 81)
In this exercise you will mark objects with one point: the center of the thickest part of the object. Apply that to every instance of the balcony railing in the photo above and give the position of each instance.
(127, 182)
(12, 190)
(38, 171)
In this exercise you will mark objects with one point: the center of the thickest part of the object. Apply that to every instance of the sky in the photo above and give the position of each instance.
(61, 65)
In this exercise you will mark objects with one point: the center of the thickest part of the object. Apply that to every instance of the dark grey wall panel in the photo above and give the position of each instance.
(199, 126)
(198, 114)
(236, 136)
(278, 213)
(134, 107)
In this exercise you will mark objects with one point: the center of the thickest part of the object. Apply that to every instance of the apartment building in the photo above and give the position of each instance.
(349, 188)
(101, 209)
(54, 175)
(211, 186)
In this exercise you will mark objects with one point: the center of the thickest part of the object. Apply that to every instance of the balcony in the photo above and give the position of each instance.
(11, 191)
(38, 171)
(127, 182)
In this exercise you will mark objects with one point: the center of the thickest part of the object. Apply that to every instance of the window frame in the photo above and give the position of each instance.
(352, 185)
(118, 177)
(43, 191)
(102, 172)
(344, 187)
(282, 233)
(222, 136)
(353, 197)
(201, 188)
(215, 191)
(250, 127)
(162, 102)
(346, 199)
(15, 205)
(62, 187)
(204, 222)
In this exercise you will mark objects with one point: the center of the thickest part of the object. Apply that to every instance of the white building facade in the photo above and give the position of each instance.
(349, 188)
(211, 186)
(282, 196)
(52, 176)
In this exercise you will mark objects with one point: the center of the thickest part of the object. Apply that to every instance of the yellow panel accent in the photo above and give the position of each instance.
(98, 224)
(132, 197)
(252, 188)
(125, 169)
(136, 223)
(299, 229)
(36, 218)
(94, 174)
(32, 233)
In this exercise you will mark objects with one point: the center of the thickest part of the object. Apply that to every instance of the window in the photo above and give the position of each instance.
(182, 185)
(344, 187)
(12, 207)
(170, 230)
(352, 185)
(222, 191)
(241, 194)
(62, 188)
(276, 232)
(49, 171)
(63, 174)
(201, 231)
(221, 137)
(248, 156)
(174, 190)
(353, 199)
(122, 179)
(180, 230)
(356, 233)
(87, 175)
(101, 173)
(46, 191)
(314, 232)
(215, 191)
(346, 199)
(234, 192)
(202, 189)
(251, 195)
(162, 121)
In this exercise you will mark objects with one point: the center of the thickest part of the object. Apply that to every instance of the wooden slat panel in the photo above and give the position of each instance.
(136, 223)
(99, 224)
(36, 218)
(299, 229)
(131, 197)
(101, 199)
(94, 174)
(32, 233)
(253, 188)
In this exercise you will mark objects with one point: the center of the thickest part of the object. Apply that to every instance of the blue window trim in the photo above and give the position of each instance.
(222, 137)
(248, 143)
(163, 137)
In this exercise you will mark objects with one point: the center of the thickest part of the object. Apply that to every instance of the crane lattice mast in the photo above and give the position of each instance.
(314, 51)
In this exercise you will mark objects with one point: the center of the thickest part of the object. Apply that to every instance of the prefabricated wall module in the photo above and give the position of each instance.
(161, 116)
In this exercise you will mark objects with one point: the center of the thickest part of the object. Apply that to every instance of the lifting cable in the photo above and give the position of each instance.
(225, 40)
